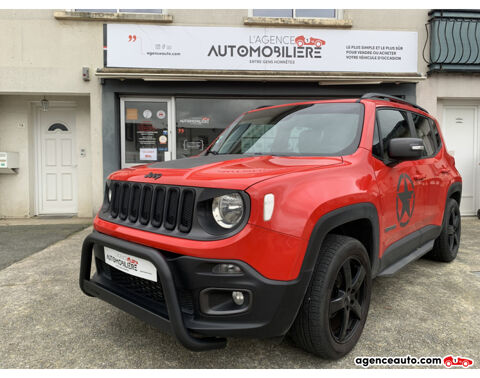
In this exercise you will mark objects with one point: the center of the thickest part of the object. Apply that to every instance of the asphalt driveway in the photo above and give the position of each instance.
(20, 241)
(427, 309)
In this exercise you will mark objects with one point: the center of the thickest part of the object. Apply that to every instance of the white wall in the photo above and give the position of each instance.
(44, 56)
(17, 134)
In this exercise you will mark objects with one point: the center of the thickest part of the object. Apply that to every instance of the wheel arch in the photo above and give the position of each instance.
(346, 220)
(455, 192)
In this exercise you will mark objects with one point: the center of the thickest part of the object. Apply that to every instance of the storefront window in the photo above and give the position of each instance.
(200, 120)
(144, 131)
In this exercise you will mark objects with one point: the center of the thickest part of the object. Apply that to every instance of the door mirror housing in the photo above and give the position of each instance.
(405, 148)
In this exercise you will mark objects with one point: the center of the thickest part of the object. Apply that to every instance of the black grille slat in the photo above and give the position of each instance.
(186, 213)
(146, 204)
(115, 200)
(134, 203)
(173, 195)
(157, 206)
(125, 198)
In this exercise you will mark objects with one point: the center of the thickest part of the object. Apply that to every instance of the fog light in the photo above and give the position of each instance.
(238, 297)
(227, 269)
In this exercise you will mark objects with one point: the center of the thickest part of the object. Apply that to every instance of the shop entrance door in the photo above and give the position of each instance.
(146, 130)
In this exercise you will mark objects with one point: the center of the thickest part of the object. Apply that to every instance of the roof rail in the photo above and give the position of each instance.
(383, 96)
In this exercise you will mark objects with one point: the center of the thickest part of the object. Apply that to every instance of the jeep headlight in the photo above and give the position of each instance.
(228, 210)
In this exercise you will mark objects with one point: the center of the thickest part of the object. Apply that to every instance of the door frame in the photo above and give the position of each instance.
(476, 148)
(172, 143)
(37, 137)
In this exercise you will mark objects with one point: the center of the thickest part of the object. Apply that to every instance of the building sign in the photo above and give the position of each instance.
(265, 49)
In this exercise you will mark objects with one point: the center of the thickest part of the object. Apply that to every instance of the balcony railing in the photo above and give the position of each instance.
(454, 37)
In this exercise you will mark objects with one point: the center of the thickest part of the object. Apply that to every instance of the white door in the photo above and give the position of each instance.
(57, 178)
(460, 132)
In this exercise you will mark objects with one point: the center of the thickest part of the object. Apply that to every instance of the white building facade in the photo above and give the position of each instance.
(85, 93)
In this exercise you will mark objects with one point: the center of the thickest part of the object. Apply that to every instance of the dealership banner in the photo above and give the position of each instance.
(265, 49)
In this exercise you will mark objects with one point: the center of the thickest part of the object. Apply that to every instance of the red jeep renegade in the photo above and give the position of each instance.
(280, 225)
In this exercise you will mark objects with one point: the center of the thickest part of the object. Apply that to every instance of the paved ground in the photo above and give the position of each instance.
(428, 309)
(20, 241)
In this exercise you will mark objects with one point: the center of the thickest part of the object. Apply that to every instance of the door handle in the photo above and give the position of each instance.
(419, 177)
(444, 170)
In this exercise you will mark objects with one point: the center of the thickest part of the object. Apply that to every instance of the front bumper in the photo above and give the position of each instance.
(175, 305)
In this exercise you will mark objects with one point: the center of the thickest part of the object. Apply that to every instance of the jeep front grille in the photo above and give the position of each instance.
(151, 205)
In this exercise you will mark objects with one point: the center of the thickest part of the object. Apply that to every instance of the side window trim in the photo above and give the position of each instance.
(411, 124)
(380, 141)
(434, 128)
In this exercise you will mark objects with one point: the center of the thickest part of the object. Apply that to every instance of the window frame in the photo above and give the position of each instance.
(437, 147)
(338, 15)
(413, 132)
(411, 126)
(117, 11)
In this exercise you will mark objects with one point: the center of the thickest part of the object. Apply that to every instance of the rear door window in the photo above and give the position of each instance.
(425, 133)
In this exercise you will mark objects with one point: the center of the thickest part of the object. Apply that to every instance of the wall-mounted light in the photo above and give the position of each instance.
(44, 103)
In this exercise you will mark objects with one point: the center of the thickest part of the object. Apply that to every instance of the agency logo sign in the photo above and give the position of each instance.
(276, 46)
(260, 49)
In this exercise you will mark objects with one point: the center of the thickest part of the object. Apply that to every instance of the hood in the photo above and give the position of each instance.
(222, 171)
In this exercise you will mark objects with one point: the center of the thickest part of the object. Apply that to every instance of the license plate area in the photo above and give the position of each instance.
(130, 264)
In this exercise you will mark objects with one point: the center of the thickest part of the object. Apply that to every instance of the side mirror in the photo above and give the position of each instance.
(405, 148)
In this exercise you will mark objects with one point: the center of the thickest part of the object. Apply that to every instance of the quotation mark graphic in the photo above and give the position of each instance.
(132, 38)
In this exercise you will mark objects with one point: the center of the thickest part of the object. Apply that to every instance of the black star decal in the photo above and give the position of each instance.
(405, 197)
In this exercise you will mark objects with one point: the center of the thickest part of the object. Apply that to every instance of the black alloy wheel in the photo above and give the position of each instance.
(335, 307)
(453, 228)
(447, 244)
(348, 300)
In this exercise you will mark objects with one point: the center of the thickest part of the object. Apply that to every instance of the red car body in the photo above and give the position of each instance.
(312, 194)
(449, 361)
(302, 41)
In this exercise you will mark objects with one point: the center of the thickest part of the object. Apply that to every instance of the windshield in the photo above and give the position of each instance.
(328, 129)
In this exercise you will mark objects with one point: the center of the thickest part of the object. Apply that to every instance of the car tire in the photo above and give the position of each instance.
(446, 245)
(320, 324)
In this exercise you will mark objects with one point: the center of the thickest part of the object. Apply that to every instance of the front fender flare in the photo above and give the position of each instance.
(335, 218)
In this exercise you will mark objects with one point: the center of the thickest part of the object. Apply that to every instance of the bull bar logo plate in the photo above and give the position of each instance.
(129, 264)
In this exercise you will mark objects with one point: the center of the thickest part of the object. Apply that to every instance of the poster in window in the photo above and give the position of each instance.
(146, 136)
(148, 154)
